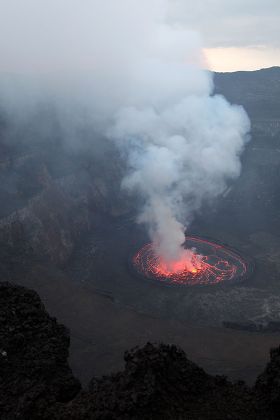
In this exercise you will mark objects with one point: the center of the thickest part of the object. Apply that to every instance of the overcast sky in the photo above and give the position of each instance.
(237, 34)
(231, 23)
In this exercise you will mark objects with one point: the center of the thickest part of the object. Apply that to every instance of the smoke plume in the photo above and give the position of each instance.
(182, 143)
(142, 82)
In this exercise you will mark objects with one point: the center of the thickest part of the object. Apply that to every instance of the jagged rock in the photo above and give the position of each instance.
(34, 373)
(158, 381)
(268, 383)
(47, 226)
(52, 221)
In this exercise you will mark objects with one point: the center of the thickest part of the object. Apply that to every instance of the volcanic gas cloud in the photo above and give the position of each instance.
(181, 142)
(140, 78)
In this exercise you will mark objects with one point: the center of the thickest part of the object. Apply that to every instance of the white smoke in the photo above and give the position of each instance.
(142, 82)
(178, 157)
(182, 143)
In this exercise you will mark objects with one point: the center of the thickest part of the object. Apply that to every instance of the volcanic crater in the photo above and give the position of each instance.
(206, 263)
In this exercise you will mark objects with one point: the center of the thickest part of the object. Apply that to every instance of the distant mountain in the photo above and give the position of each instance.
(258, 91)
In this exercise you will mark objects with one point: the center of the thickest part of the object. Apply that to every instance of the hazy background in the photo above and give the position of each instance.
(238, 35)
(38, 35)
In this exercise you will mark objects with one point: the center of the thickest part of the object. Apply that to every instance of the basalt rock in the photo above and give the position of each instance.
(34, 372)
(158, 381)
(268, 383)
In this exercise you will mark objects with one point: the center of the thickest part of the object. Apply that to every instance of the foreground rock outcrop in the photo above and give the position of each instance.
(268, 383)
(158, 381)
(34, 372)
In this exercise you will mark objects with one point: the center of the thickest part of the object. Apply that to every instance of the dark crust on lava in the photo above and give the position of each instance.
(248, 260)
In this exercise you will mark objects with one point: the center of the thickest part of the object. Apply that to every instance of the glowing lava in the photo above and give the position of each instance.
(189, 262)
(202, 262)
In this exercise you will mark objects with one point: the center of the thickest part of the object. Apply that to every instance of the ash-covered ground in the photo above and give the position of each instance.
(67, 231)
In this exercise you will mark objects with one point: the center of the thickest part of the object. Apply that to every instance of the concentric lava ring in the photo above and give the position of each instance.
(212, 263)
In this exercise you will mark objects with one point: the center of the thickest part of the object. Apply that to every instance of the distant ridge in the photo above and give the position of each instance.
(258, 91)
(265, 69)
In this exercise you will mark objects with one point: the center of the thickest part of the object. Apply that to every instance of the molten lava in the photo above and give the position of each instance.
(189, 262)
(203, 262)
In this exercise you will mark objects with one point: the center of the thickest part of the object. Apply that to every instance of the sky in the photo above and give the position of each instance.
(236, 34)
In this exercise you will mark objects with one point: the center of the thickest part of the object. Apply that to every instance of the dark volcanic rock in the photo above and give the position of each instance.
(158, 381)
(34, 372)
(48, 225)
(268, 383)
(269, 327)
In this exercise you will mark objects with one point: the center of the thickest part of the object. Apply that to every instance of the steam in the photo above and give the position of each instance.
(141, 81)
(179, 156)
(182, 144)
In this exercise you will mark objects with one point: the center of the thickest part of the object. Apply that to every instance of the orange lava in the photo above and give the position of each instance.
(211, 264)
(185, 264)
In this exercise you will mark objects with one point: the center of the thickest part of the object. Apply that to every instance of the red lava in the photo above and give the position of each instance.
(209, 264)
